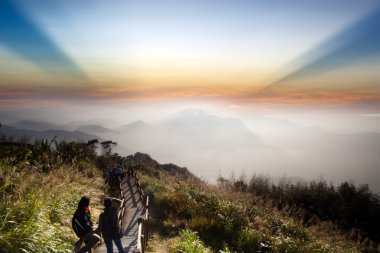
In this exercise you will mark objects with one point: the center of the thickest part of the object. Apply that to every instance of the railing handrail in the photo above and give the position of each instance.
(139, 245)
(122, 205)
(142, 235)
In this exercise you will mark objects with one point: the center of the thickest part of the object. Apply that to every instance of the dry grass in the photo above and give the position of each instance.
(41, 205)
(160, 244)
(261, 216)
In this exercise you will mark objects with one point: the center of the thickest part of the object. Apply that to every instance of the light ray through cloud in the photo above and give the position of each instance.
(19, 34)
(359, 41)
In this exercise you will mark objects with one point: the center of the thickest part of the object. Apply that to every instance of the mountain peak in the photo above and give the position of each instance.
(134, 126)
(138, 123)
(92, 128)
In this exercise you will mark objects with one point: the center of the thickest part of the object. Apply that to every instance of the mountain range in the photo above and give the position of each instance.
(210, 145)
(32, 135)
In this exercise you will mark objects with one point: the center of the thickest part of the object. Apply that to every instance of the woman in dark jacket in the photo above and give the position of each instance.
(109, 226)
(83, 227)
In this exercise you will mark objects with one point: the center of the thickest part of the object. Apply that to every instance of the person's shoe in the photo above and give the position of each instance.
(77, 246)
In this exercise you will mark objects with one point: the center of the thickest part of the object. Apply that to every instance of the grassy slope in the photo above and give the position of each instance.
(36, 208)
(226, 221)
(188, 214)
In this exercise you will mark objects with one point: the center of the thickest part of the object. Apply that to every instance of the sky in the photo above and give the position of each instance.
(237, 53)
(290, 70)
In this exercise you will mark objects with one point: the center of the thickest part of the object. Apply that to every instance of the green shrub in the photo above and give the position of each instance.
(249, 240)
(290, 228)
(189, 242)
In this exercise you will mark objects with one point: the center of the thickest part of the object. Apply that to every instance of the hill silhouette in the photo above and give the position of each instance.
(33, 135)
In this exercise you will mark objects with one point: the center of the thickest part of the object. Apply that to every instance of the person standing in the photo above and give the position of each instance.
(109, 226)
(83, 226)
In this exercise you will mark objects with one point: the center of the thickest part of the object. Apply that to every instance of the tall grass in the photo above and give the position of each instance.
(347, 205)
(28, 225)
(228, 220)
(189, 242)
(36, 208)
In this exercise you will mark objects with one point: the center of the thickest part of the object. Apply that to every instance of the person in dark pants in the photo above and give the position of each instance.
(83, 227)
(109, 226)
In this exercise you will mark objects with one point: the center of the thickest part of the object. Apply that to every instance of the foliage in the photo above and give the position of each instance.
(35, 213)
(250, 240)
(40, 186)
(347, 205)
(48, 155)
(189, 242)
(226, 221)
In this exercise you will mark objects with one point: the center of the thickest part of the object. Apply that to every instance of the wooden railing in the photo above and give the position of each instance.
(121, 211)
(142, 238)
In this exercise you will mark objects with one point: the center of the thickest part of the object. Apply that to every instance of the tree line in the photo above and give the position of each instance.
(354, 208)
(49, 154)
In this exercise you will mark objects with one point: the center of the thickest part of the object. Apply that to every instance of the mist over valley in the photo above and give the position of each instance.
(211, 146)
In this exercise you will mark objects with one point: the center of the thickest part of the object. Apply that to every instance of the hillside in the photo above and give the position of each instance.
(187, 211)
(40, 186)
(36, 206)
(146, 165)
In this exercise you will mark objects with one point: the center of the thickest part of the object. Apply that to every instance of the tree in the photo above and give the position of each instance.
(107, 147)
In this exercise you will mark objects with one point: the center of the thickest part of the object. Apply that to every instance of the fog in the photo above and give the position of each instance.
(211, 146)
(213, 142)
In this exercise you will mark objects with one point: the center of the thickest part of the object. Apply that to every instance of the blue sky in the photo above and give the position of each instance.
(154, 50)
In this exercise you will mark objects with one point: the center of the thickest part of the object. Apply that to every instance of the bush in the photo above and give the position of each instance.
(347, 205)
(226, 221)
(189, 242)
(286, 245)
(249, 240)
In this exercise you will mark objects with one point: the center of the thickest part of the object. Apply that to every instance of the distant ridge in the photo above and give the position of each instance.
(210, 131)
(94, 129)
(36, 125)
(134, 126)
(33, 135)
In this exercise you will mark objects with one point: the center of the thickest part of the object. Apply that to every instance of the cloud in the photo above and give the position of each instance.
(371, 115)
(237, 97)
(237, 107)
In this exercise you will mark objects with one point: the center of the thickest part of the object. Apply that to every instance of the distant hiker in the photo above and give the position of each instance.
(83, 227)
(119, 171)
(107, 173)
(109, 225)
